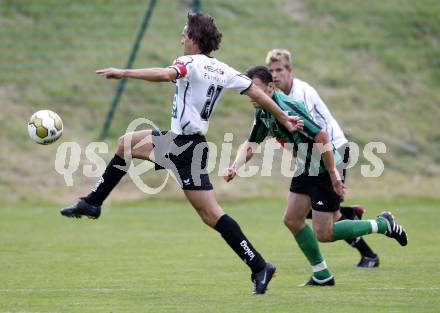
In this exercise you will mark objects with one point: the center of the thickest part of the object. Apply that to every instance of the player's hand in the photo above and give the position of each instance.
(293, 123)
(229, 174)
(338, 185)
(111, 73)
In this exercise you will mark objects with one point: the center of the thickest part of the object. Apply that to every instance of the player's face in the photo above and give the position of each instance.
(281, 75)
(267, 89)
(188, 44)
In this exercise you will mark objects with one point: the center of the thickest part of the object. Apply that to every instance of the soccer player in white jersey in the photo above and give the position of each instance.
(279, 63)
(200, 81)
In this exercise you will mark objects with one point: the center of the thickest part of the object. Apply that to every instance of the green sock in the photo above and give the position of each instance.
(349, 229)
(382, 225)
(309, 246)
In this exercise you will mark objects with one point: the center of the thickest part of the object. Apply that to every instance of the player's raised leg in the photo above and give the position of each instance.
(211, 213)
(136, 145)
(354, 212)
(384, 224)
(369, 258)
(298, 206)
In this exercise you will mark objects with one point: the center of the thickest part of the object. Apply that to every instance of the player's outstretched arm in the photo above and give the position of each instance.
(292, 123)
(149, 74)
(327, 154)
(244, 154)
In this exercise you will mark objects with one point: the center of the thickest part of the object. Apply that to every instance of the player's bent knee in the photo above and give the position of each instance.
(204, 215)
(120, 146)
(337, 216)
(208, 216)
(323, 235)
(288, 222)
(125, 144)
(293, 224)
(209, 220)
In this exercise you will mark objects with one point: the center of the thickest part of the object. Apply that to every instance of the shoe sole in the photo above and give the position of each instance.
(80, 216)
(317, 285)
(375, 265)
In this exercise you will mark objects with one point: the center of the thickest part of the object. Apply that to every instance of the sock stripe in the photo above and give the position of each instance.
(374, 227)
(319, 267)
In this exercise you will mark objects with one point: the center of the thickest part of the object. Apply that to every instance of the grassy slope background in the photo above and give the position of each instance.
(375, 63)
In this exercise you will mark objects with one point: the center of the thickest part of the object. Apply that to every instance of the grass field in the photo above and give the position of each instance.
(156, 256)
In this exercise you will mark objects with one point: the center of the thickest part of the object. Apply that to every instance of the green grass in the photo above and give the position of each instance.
(156, 256)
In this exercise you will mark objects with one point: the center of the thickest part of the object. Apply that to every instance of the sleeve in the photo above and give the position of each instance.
(238, 81)
(183, 66)
(259, 130)
(315, 98)
(320, 112)
(309, 96)
(311, 128)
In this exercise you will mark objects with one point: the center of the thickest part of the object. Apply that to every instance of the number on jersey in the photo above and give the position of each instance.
(212, 96)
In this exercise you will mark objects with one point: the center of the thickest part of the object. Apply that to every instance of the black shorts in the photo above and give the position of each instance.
(319, 189)
(185, 155)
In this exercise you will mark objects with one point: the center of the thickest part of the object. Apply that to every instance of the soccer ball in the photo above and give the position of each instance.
(45, 127)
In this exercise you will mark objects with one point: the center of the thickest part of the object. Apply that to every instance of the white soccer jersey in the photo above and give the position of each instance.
(200, 83)
(302, 92)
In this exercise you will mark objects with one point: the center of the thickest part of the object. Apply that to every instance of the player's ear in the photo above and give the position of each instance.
(271, 86)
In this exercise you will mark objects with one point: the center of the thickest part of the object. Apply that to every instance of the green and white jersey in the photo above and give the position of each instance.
(301, 141)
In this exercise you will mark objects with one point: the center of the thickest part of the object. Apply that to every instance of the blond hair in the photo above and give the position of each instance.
(279, 55)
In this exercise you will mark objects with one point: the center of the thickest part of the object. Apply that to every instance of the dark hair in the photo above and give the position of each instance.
(260, 72)
(203, 31)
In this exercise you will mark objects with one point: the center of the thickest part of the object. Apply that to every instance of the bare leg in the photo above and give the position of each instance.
(136, 145)
(323, 225)
(298, 206)
(205, 204)
(131, 145)
(211, 213)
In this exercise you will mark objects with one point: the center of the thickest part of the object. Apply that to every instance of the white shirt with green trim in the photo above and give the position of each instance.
(302, 92)
(200, 83)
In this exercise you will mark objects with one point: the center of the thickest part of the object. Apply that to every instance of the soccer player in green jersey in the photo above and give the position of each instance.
(279, 63)
(317, 187)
